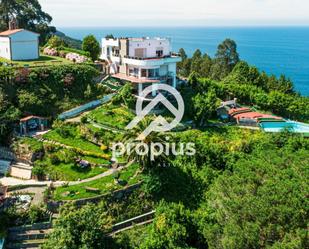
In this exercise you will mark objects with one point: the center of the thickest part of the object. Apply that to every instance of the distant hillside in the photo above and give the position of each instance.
(74, 43)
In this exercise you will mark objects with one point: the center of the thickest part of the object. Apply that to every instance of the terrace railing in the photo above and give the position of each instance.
(152, 58)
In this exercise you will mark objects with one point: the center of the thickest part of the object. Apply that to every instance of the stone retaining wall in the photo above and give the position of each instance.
(54, 206)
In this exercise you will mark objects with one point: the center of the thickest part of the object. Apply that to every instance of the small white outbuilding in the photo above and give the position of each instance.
(19, 45)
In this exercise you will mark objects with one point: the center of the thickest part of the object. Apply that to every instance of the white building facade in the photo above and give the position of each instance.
(142, 61)
(19, 45)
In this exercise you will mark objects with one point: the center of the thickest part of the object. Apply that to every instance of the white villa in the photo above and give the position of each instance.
(19, 44)
(142, 61)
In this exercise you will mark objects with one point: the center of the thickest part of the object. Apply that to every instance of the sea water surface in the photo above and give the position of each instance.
(275, 50)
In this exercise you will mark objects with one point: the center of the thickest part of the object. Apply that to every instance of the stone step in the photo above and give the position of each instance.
(28, 235)
(22, 165)
(36, 226)
(29, 244)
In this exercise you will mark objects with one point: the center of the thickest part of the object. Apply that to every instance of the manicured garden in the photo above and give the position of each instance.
(57, 163)
(68, 171)
(112, 115)
(69, 135)
(103, 185)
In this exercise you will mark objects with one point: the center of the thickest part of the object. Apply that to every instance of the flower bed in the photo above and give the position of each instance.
(76, 57)
(50, 51)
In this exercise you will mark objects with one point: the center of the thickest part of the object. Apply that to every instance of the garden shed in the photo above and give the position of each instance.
(32, 124)
(19, 45)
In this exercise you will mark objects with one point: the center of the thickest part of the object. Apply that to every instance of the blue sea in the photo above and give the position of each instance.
(276, 50)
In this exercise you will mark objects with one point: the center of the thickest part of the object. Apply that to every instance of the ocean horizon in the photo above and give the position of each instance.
(275, 50)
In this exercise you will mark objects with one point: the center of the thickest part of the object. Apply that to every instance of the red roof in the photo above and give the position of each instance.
(254, 115)
(10, 32)
(239, 110)
(14, 31)
(30, 117)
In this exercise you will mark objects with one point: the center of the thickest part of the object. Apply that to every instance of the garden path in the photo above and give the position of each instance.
(38, 192)
(10, 181)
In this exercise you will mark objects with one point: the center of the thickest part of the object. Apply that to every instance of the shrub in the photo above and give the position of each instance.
(84, 120)
(50, 51)
(116, 175)
(103, 147)
(54, 159)
(38, 171)
(50, 148)
(36, 214)
(76, 57)
(56, 41)
(63, 132)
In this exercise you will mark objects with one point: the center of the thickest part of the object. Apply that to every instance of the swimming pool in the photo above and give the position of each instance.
(1, 243)
(289, 125)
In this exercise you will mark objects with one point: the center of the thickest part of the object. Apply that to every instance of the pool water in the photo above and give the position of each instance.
(289, 125)
(1, 243)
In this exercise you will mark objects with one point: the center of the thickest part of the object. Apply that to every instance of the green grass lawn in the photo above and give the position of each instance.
(104, 184)
(33, 144)
(44, 60)
(95, 160)
(68, 171)
(111, 115)
(73, 141)
(71, 172)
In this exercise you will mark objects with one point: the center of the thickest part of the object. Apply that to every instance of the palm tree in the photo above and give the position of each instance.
(137, 151)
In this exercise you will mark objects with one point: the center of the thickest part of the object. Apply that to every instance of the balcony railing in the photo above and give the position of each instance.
(152, 58)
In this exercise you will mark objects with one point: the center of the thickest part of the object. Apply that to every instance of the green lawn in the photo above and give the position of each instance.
(95, 160)
(73, 141)
(33, 144)
(111, 115)
(71, 172)
(104, 184)
(67, 170)
(44, 60)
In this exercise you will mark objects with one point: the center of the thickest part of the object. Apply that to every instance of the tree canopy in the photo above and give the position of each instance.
(86, 227)
(91, 45)
(261, 204)
(29, 15)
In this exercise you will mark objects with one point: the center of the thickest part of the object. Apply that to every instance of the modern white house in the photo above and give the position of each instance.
(19, 45)
(142, 61)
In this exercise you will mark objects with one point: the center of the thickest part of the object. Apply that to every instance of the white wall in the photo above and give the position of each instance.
(25, 45)
(108, 43)
(5, 51)
(151, 46)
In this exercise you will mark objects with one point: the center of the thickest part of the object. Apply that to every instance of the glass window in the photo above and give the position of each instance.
(159, 53)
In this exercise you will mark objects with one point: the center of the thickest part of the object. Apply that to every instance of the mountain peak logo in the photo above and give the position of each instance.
(159, 124)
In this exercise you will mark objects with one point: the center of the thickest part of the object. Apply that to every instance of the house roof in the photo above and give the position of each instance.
(239, 110)
(10, 32)
(14, 31)
(30, 117)
(255, 115)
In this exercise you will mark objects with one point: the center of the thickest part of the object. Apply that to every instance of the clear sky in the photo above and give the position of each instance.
(70, 13)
